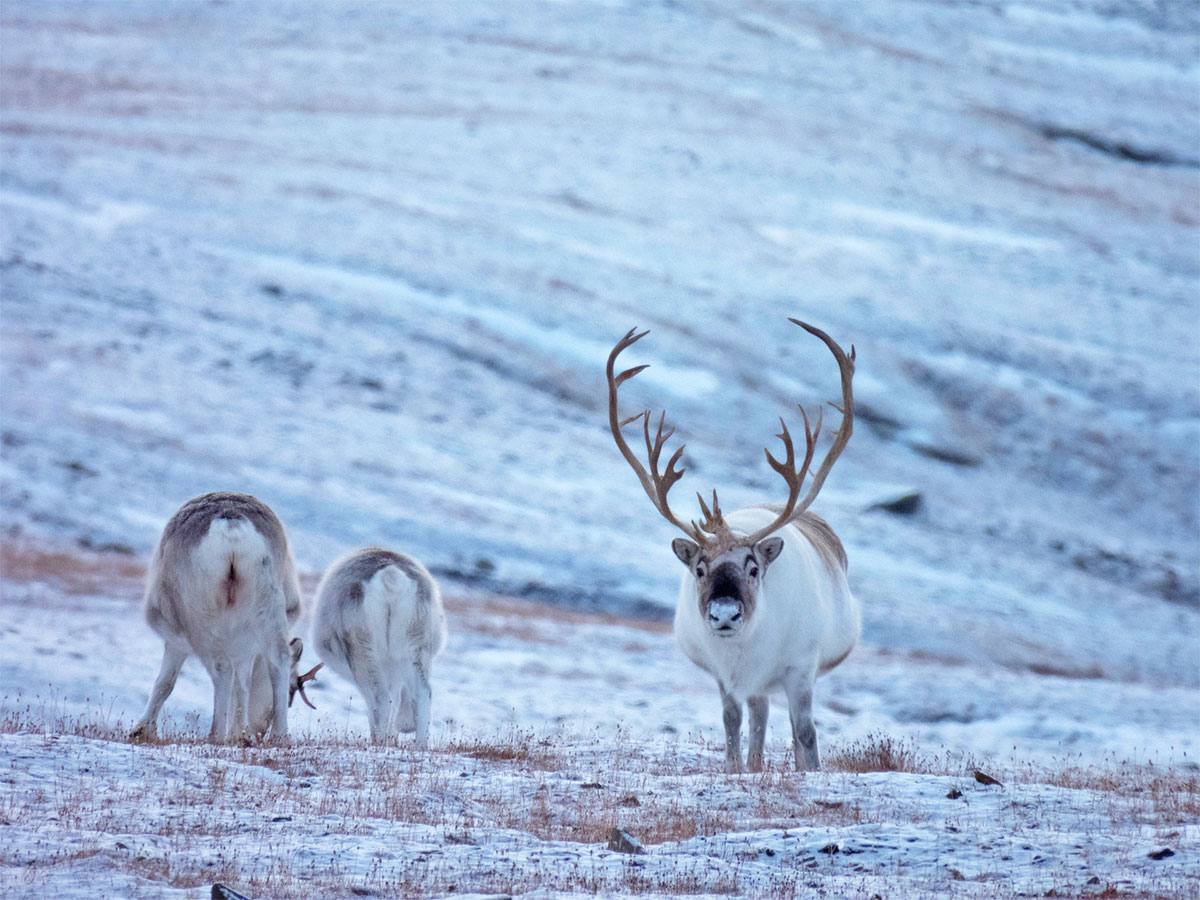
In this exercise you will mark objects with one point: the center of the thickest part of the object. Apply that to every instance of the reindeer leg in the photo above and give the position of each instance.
(372, 684)
(422, 698)
(239, 720)
(758, 731)
(799, 690)
(732, 716)
(279, 669)
(262, 702)
(379, 712)
(223, 678)
(146, 728)
(406, 711)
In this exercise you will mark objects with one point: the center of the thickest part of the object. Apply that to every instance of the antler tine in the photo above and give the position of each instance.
(713, 522)
(792, 476)
(787, 468)
(795, 476)
(655, 485)
(810, 438)
(664, 481)
(816, 432)
(653, 450)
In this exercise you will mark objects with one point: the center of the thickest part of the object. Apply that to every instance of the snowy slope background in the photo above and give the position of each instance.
(366, 262)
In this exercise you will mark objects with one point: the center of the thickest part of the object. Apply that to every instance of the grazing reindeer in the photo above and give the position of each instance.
(379, 622)
(222, 585)
(764, 603)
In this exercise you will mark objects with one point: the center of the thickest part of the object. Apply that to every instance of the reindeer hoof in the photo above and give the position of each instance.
(143, 734)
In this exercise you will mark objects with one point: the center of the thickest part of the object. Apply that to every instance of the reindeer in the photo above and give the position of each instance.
(764, 602)
(379, 623)
(222, 585)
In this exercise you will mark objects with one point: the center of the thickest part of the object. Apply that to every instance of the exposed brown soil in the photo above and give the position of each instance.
(76, 571)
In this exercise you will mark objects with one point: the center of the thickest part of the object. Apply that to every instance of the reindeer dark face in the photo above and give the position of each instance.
(727, 585)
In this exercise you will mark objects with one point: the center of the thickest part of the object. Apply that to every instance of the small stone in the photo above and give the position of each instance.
(984, 778)
(1161, 854)
(830, 849)
(623, 842)
(954, 794)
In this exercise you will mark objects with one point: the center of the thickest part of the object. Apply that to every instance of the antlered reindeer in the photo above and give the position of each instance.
(764, 603)
(222, 585)
(380, 622)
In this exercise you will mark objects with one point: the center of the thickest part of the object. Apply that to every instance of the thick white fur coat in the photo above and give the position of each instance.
(805, 621)
(222, 590)
(380, 622)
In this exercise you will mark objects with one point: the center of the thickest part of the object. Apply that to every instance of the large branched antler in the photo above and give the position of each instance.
(794, 476)
(712, 532)
(656, 484)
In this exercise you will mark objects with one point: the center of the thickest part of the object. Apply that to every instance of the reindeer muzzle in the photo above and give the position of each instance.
(725, 616)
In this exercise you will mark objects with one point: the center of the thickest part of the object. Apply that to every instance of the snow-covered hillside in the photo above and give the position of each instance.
(366, 262)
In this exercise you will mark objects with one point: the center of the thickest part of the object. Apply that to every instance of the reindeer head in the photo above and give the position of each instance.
(729, 568)
(727, 585)
(297, 680)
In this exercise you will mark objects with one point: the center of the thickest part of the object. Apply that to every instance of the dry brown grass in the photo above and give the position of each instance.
(197, 796)
(878, 753)
(517, 780)
(521, 746)
(885, 753)
(1135, 792)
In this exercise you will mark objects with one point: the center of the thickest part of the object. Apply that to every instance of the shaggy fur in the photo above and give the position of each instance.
(788, 617)
(379, 623)
(222, 585)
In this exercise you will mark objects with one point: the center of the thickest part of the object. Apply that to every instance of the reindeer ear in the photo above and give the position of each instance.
(297, 647)
(768, 549)
(686, 550)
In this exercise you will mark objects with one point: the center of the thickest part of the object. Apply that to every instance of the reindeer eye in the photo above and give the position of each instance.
(754, 571)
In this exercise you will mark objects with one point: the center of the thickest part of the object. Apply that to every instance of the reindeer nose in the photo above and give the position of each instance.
(724, 616)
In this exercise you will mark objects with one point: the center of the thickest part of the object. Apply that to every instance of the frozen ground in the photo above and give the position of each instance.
(550, 729)
(366, 263)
